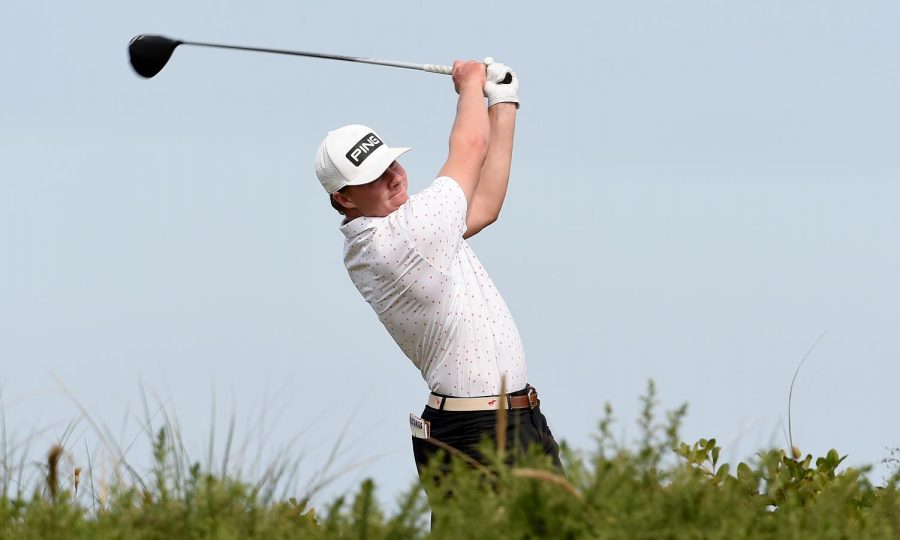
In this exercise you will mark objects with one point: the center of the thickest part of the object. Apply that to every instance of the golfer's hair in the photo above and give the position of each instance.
(336, 205)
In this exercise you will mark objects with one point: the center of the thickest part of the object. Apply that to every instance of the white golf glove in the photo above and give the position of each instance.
(494, 89)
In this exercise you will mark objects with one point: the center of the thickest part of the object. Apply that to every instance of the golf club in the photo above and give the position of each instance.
(149, 54)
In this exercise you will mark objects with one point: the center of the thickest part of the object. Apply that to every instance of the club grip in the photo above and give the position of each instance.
(447, 70)
(434, 68)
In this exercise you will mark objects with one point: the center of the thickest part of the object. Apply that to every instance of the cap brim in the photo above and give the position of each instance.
(378, 167)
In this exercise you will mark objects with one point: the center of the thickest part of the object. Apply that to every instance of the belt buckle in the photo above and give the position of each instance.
(532, 398)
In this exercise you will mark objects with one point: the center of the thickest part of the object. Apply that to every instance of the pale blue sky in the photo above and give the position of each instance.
(699, 191)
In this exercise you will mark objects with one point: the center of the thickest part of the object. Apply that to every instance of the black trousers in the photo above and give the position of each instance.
(465, 430)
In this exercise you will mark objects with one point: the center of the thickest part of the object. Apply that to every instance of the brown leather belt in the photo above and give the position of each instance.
(484, 403)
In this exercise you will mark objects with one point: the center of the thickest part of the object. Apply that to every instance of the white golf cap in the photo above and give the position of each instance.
(353, 155)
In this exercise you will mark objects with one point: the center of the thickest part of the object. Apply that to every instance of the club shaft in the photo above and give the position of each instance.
(431, 68)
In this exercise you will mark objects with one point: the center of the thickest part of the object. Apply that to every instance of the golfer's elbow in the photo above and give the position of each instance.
(473, 144)
(479, 219)
(475, 227)
(490, 220)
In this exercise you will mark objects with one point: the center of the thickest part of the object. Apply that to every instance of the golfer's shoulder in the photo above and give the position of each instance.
(382, 241)
(442, 196)
(448, 188)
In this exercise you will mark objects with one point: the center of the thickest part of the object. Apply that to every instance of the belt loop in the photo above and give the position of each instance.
(443, 400)
(532, 399)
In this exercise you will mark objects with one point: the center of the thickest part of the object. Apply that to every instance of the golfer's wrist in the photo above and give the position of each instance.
(470, 85)
(504, 105)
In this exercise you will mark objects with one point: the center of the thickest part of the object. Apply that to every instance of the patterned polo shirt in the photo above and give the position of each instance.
(433, 295)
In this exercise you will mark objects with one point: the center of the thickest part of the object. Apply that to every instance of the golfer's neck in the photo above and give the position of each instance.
(350, 214)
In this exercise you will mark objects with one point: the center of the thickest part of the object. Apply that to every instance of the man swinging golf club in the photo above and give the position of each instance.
(408, 257)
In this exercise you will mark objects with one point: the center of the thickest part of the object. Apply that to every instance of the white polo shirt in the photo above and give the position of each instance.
(434, 296)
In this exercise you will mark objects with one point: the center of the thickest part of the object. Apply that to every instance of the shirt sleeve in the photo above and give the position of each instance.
(435, 221)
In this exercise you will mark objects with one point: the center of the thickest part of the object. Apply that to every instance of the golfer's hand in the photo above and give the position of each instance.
(495, 89)
(468, 74)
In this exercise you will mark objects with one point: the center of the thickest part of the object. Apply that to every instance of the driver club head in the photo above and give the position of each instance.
(149, 54)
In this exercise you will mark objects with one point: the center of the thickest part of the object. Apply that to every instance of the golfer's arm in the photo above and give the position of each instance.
(468, 141)
(485, 205)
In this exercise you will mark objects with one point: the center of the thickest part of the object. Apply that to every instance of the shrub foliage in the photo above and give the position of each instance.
(655, 487)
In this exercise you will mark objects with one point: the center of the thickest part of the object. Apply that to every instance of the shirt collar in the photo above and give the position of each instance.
(355, 227)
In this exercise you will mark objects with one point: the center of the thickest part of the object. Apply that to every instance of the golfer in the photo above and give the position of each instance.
(409, 259)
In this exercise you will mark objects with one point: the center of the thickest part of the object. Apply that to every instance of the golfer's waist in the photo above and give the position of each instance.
(525, 399)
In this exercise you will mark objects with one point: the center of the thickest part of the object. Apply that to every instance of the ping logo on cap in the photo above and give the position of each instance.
(363, 149)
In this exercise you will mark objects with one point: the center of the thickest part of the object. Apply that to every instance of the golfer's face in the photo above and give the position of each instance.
(382, 196)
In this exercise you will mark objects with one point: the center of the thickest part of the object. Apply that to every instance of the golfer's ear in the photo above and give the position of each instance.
(343, 200)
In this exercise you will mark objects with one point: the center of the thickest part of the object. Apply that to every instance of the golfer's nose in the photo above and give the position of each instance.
(394, 179)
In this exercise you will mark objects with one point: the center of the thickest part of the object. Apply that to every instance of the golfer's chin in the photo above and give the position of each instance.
(397, 200)
(390, 206)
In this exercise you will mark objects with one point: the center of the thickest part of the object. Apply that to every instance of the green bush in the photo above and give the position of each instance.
(658, 487)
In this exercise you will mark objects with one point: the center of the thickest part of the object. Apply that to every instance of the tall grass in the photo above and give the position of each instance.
(655, 487)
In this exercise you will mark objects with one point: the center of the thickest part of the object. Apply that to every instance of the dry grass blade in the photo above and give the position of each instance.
(502, 420)
(465, 457)
(549, 477)
(791, 392)
(53, 469)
